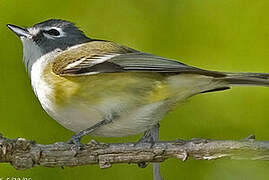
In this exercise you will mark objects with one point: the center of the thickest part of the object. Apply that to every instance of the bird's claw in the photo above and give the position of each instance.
(75, 140)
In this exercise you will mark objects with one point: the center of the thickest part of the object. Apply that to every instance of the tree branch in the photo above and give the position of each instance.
(24, 154)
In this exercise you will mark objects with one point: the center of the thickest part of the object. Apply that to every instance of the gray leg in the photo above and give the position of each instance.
(156, 166)
(152, 136)
(75, 139)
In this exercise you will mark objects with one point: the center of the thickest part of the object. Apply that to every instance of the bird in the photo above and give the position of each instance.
(102, 88)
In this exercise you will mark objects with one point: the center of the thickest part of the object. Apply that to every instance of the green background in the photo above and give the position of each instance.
(222, 35)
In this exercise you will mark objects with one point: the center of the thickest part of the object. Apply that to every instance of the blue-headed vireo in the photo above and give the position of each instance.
(102, 88)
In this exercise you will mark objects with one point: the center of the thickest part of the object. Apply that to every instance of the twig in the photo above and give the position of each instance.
(24, 154)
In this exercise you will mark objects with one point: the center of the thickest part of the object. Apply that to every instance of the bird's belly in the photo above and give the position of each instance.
(80, 114)
(130, 121)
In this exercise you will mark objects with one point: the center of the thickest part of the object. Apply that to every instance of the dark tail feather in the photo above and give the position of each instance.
(250, 79)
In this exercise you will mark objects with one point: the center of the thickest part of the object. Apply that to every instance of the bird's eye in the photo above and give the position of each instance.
(53, 32)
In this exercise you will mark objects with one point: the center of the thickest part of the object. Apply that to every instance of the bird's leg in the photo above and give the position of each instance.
(156, 166)
(75, 139)
(152, 136)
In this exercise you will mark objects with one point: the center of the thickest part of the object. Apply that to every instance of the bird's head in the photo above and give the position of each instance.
(47, 36)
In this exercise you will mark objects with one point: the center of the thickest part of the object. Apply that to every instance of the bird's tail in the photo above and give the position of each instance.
(203, 81)
(249, 79)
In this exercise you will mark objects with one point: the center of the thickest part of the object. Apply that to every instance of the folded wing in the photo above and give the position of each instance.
(128, 62)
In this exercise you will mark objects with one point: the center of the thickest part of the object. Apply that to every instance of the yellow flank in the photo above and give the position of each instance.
(159, 93)
(62, 88)
(138, 88)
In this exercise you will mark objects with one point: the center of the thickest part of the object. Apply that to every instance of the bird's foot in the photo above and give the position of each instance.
(150, 136)
(147, 138)
(75, 139)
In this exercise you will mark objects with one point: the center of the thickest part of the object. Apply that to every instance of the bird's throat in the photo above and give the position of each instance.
(31, 53)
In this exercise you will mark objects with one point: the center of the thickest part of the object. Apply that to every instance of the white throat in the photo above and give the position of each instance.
(31, 52)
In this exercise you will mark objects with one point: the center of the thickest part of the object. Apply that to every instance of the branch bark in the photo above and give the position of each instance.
(25, 154)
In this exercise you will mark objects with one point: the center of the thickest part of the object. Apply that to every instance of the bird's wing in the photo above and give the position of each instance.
(120, 60)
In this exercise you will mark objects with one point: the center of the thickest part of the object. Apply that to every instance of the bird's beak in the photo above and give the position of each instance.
(21, 32)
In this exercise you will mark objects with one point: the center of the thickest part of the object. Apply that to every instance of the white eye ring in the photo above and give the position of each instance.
(58, 32)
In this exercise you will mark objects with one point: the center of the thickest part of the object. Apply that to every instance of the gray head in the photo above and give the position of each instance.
(47, 36)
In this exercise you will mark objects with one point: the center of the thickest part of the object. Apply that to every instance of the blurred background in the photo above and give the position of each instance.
(223, 35)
